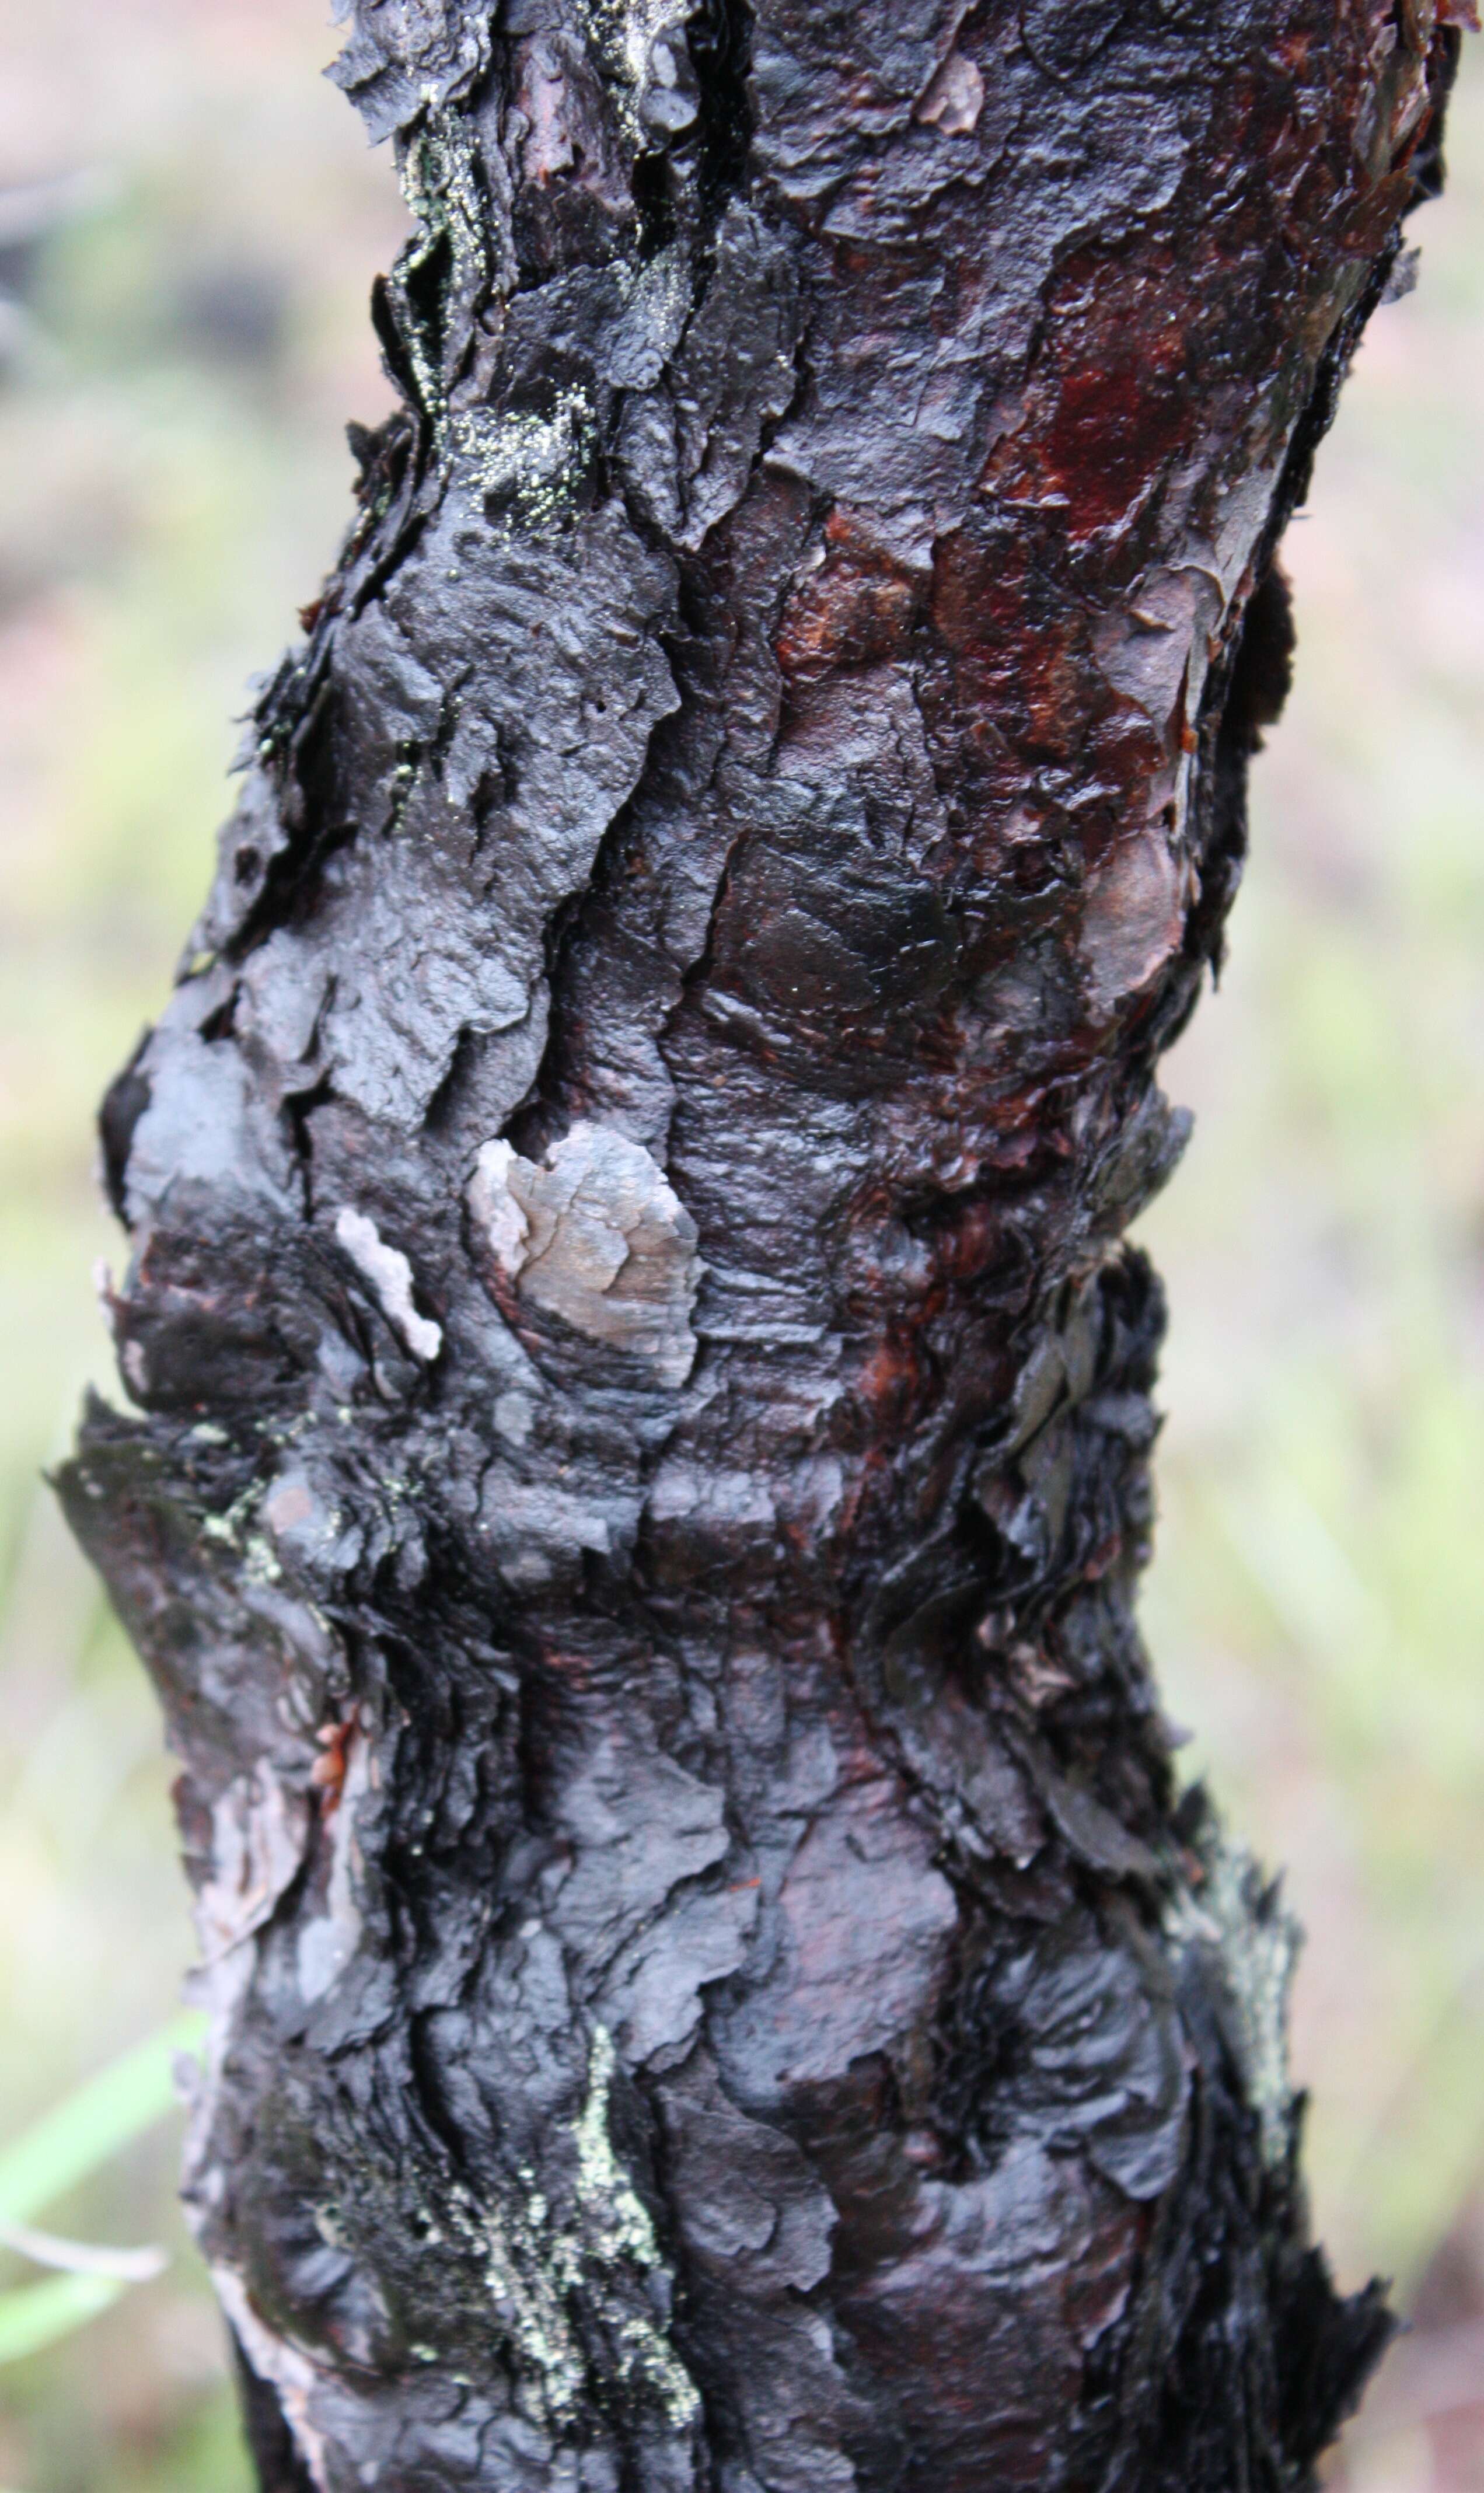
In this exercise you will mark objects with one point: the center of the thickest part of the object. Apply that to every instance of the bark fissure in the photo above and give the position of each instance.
(641, 1458)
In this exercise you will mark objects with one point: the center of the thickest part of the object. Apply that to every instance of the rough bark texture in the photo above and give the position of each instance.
(643, 1453)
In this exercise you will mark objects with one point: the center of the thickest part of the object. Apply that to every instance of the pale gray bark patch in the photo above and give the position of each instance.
(596, 1236)
(390, 1276)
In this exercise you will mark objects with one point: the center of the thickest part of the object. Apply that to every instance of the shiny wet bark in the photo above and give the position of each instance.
(641, 1458)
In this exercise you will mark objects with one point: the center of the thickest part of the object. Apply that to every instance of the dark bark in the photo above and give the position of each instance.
(644, 1461)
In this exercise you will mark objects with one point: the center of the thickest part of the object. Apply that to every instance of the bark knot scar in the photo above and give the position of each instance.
(599, 1236)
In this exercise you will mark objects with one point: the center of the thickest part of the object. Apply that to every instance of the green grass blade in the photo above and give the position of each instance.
(91, 2124)
(36, 2316)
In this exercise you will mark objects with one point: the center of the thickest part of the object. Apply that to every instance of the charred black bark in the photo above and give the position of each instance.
(646, 1409)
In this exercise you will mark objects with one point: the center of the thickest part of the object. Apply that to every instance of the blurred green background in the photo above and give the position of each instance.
(182, 335)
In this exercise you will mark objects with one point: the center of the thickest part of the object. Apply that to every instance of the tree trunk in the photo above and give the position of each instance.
(644, 1455)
